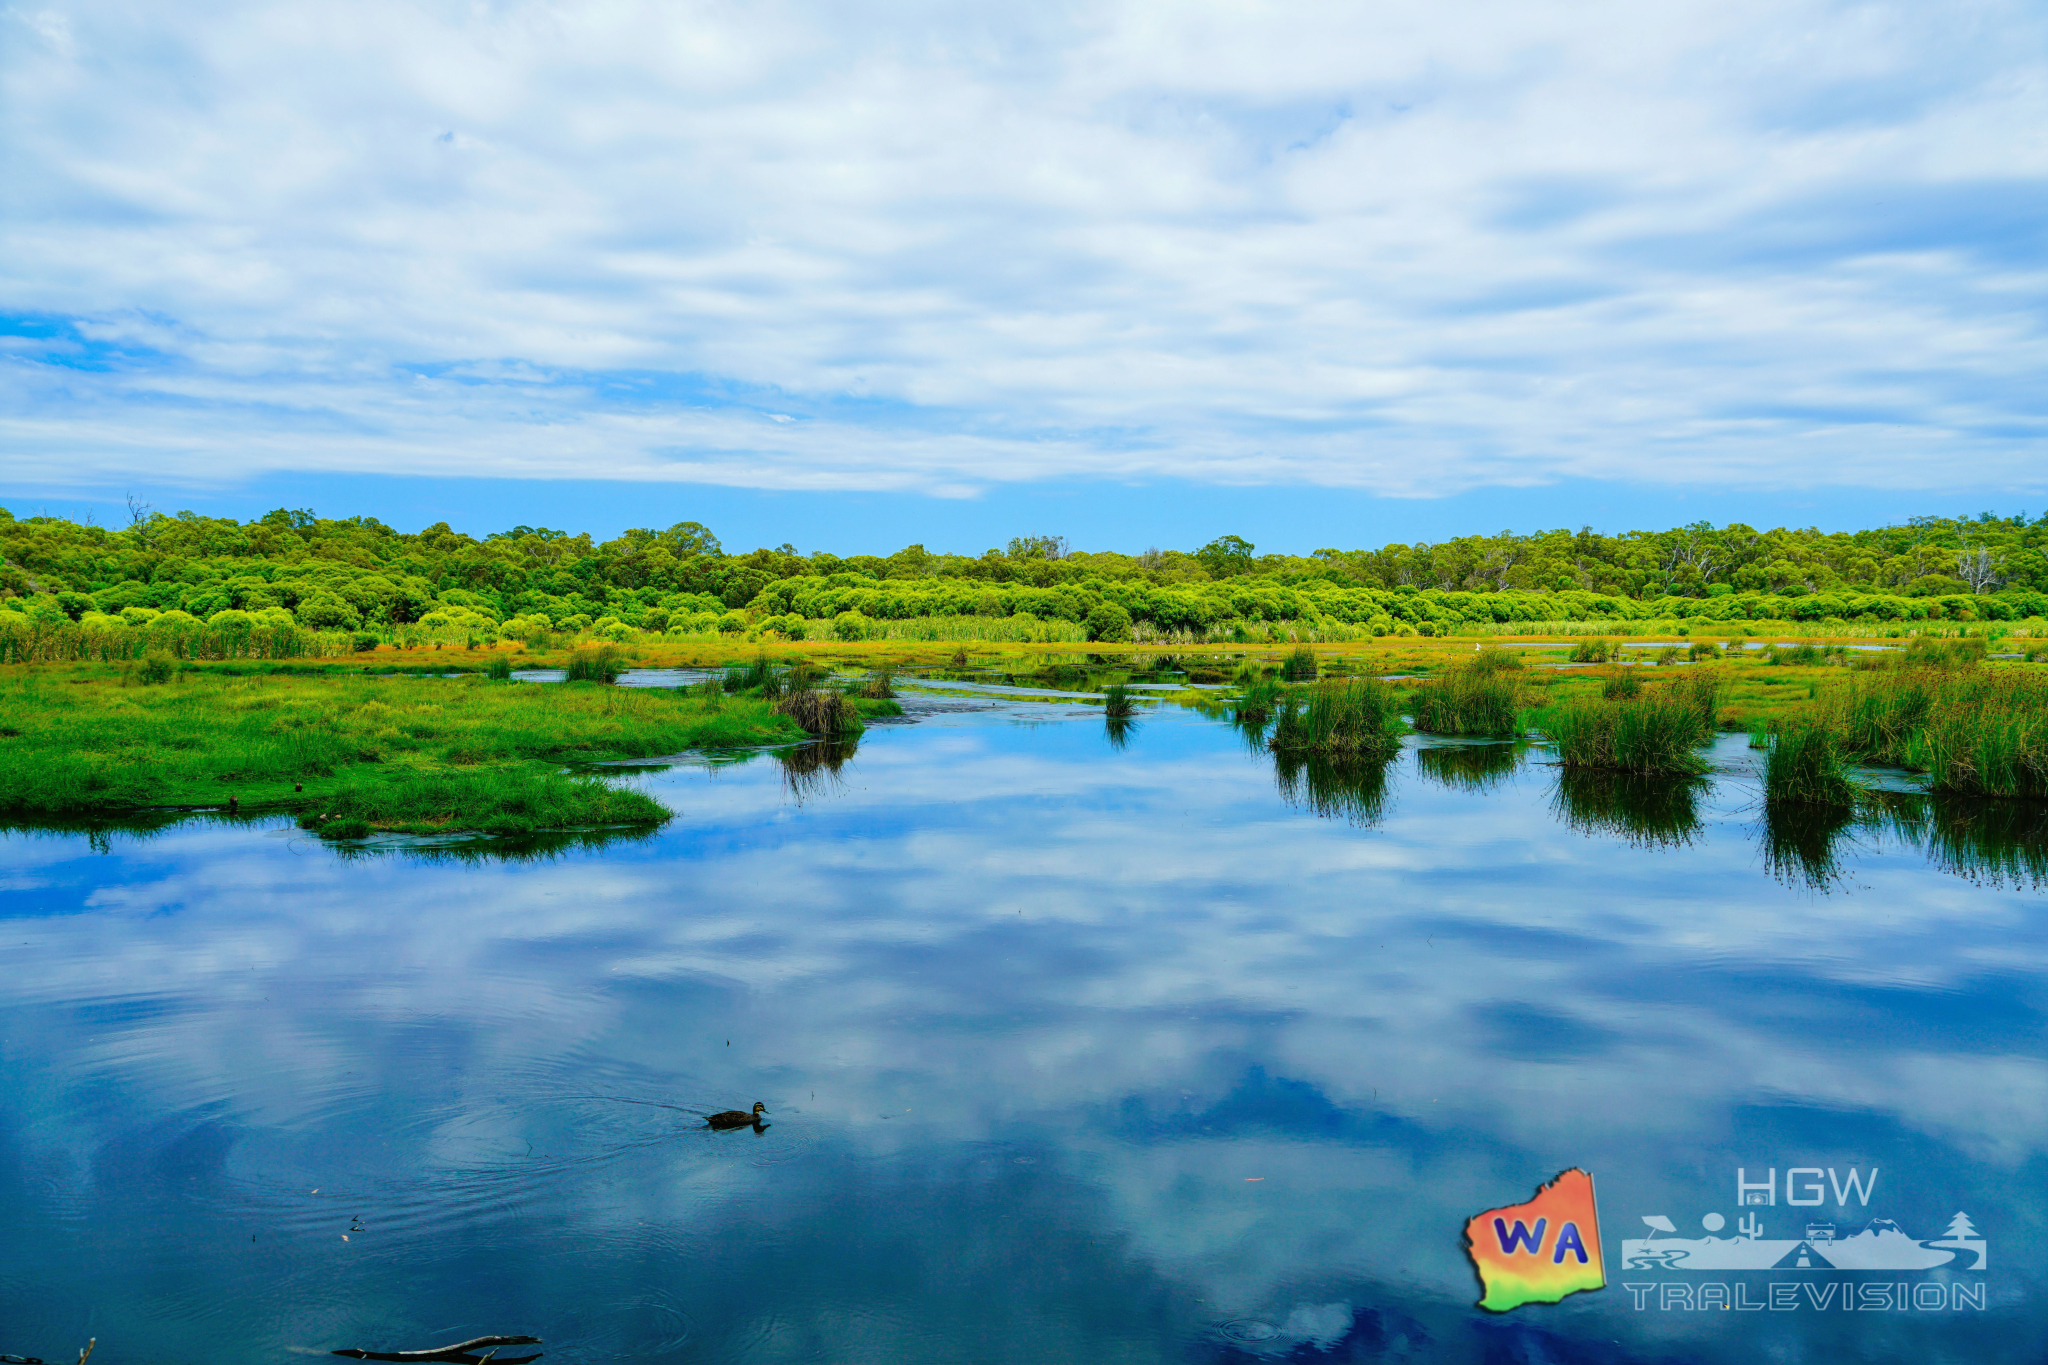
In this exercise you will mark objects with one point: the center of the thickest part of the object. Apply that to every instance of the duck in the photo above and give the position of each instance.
(738, 1118)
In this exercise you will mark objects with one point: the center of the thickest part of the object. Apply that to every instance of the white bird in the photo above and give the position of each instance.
(1658, 1223)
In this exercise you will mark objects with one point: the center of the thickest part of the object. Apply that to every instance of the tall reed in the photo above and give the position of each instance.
(1300, 665)
(821, 712)
(1657, 732)
(1477, 697)
(1805, 765)
(1348, 716)
(600, 665)
(1117, 701)
(1980, 732)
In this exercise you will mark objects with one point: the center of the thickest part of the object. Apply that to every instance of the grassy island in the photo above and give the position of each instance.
(352, 753)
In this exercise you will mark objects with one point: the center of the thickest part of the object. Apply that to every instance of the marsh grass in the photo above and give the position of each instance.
(1978, 731)
(499, 800)
(1300, 666)
(1621, 685)
(1478, 697)
(1655, 733)
(600, 665)
(821, 712)
(1647, 811)
(1352, 717)
(1117, 701)
(82, 745)
(879, 685)
(1468, 767)
(1593, 650)
(1333, 786)
(1797, 655)
(499, 670)
(1805, 765)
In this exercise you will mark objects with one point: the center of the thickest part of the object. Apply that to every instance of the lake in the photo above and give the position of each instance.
(1075, 1046)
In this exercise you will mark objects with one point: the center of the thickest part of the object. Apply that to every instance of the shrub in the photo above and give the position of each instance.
(364, 642)
(600, 665)
(1108, 623)
(850, 625)
(157, 668)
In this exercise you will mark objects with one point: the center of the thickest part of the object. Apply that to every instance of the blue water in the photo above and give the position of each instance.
(1071, 1051)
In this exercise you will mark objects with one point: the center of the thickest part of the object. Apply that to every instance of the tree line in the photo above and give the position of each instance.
(291, 567)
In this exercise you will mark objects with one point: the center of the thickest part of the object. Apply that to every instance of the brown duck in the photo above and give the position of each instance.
(738, 1118)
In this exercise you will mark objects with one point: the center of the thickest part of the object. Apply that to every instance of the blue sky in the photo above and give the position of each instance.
(1137, 273)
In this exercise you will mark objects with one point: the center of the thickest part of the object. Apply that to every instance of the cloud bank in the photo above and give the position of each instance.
(1409, 248)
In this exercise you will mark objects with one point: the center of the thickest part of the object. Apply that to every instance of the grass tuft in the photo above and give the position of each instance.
(600, 665)
(1657, 732)
(823, 713)
(1480, 696)
(1354, 717)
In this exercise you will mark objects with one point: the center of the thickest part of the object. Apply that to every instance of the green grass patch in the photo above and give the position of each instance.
(1482, 696)
(82, 744)
(1657, 732)
(1807, 765)
(1352, 717)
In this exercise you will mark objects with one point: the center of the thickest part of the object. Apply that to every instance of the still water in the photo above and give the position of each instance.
(1075, 1047)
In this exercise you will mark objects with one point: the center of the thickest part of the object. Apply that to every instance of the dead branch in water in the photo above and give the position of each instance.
(461, 1353)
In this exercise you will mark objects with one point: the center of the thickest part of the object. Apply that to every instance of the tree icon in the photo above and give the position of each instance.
(1960, 1229)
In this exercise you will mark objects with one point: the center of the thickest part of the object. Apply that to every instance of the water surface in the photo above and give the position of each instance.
(1075, 1047)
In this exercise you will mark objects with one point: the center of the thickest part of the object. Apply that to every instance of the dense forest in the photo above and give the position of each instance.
(294, 570)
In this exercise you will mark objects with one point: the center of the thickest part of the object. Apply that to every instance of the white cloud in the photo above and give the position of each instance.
(1405, 247)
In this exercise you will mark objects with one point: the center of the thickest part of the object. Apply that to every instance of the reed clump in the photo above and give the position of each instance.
(1354, 717)
(1481, 696)
(1806, 765)
(1300, 666)
(1656, 733)
(1978, 731)
(1117, 701)
(1621, 685)
(821, 712)
(1594, 649)
(879, 685)
(1647, 811)
(601, 665)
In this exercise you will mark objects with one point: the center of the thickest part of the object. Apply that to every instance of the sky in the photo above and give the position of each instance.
(855, 275)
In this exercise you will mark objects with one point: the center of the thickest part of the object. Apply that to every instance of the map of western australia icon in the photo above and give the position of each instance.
(1540, 1251)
